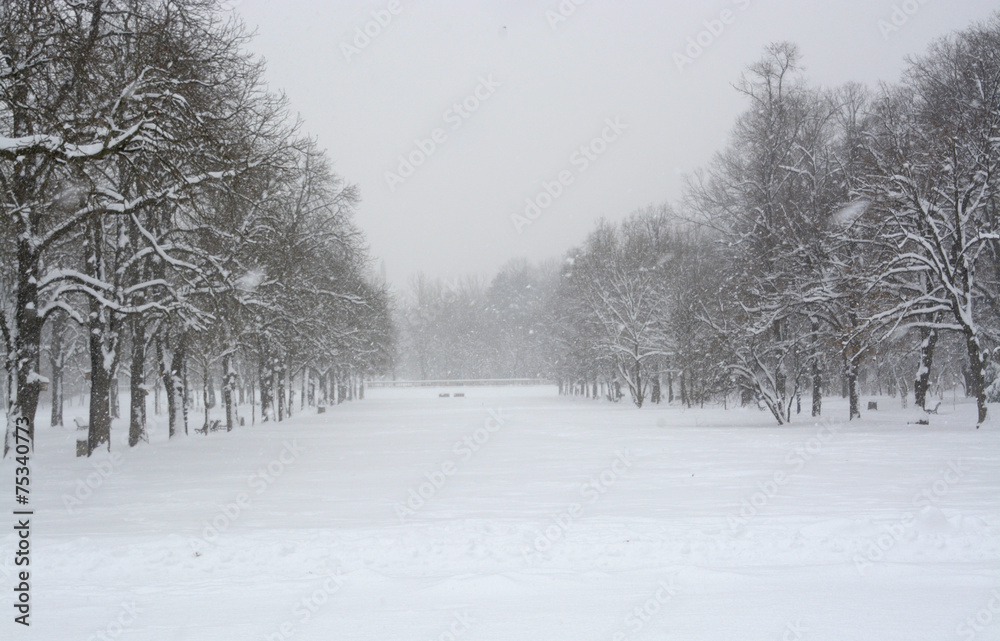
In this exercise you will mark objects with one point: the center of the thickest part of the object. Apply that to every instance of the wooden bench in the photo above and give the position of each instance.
(211, 426)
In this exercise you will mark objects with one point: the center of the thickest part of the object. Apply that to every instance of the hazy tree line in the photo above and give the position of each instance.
(846, 239)
(470, 329)
(167, 224)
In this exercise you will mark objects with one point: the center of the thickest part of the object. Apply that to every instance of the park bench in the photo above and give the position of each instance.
(211, 426)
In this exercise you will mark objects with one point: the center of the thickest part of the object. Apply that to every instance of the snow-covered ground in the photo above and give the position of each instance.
(515, 514)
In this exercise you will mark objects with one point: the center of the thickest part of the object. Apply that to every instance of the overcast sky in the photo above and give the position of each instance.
(533, 83)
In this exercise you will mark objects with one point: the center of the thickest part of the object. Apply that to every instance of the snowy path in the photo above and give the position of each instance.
(540, 518)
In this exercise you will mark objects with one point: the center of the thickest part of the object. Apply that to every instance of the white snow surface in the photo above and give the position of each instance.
(542, 517)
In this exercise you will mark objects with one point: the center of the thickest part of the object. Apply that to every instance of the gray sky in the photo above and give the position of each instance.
(533, 83)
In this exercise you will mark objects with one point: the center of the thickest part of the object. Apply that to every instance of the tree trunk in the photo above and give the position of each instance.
(977, 373)
(780, 385)
(228, 387)
(817, 388)
(137, 388)
(173, 386)
(210, 397)
(279, 378)
(100, 390)
(206, 383)
(923, 379)
(185, 393)
(639, 394)
(113, 395)
(156, 390)
(265, 374)
(780, 378)
(57, 361)
(253, 404)
(103, 342)
(24, 347)
(322, 388)
(851, 376)
(817, 374)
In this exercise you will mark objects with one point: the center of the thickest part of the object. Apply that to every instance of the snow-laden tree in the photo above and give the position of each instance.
(158, 194)
(617, 289)
(767, 196)
(61, 112)
(933, 191)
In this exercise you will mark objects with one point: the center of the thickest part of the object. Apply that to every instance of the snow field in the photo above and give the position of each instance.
(513, 513)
